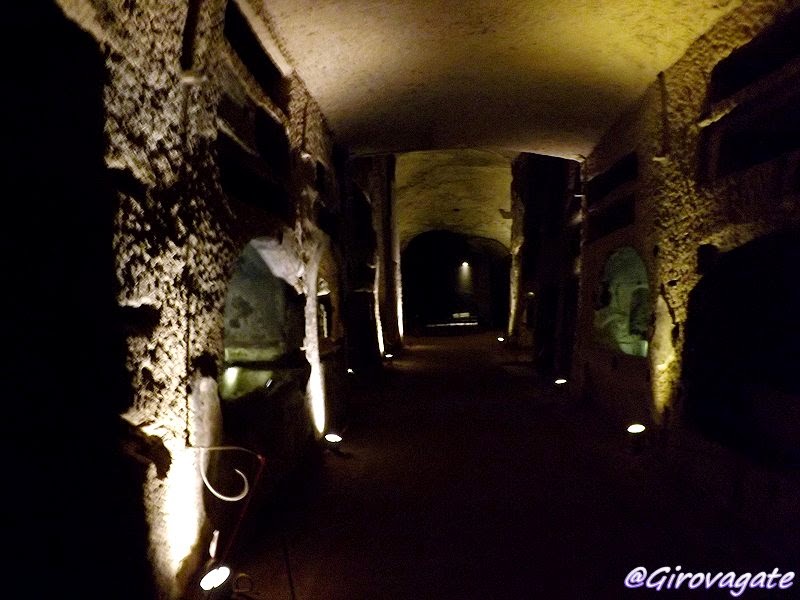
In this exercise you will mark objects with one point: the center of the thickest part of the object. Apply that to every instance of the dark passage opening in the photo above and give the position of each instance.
(454, 283)
(741, 353)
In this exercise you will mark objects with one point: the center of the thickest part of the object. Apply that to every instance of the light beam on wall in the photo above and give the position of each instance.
(316, 384)
(315, 389)
(183, 503)
(378, 324)
(400, 313)
(317, 392)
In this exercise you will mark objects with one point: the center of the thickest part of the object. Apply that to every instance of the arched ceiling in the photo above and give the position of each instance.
(463, 191)
(545, 76)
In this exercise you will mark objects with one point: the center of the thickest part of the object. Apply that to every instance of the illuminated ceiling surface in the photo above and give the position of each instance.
(464, 191)
(545, 76)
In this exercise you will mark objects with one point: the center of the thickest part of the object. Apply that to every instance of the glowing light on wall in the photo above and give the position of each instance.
(400, 313)
(316, 383)
(560, 381)
(333, 438)
(662, 357)
(316, 391)
(397, 266)
(183, 503)
(381, 346)
(378, 324)
(636, 428)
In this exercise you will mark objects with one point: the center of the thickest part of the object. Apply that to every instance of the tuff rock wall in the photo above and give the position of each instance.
(658, 182)
(177, 233)
(677, 209)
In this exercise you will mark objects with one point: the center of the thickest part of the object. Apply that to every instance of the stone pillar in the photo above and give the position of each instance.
(516, 311)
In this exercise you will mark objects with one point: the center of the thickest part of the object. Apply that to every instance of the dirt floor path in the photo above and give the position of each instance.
(464, 477)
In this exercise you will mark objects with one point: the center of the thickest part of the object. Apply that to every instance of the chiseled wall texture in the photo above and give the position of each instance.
(463, 191)
(177, 235)
(675, 213)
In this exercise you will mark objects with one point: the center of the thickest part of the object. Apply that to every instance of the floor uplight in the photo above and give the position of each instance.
(636, 437)
(215, 578)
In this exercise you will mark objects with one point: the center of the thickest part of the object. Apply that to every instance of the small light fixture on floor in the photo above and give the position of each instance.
(215, 578)
(560, 381)
(333, 438)
(333, 443)
(501, 339)
(389, 355)
(635, 433)
(350, 371)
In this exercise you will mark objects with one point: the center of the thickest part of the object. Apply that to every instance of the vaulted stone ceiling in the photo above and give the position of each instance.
(546, 76)
(464, 191)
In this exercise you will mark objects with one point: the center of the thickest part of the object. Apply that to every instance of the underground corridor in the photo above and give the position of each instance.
(467, 476)
(399, 299)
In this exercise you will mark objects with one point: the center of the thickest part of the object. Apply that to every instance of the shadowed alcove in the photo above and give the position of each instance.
(265, 370)
(741, 353)
(622, 312)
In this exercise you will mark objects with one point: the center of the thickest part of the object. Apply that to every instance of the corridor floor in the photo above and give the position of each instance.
(464, 477)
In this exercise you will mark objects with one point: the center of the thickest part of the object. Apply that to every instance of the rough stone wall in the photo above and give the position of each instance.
(177, 236)
(676, 212)
(361, 275)
(544, 205)
(375, 176)
(517, 332)
(171, 248)
(74, 460)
